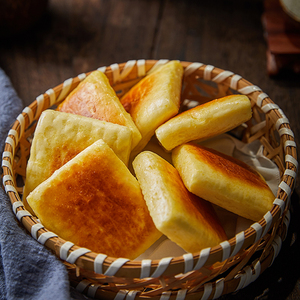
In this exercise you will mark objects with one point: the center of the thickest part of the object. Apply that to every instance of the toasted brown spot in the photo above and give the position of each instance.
(132, 100)
(61, 156)
(227, 165)
(96, 202)
(88, 102)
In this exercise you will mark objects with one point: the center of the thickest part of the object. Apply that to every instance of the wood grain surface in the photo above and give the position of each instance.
(75, 36)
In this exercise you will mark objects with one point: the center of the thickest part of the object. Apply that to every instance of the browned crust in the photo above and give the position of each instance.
(227, 165)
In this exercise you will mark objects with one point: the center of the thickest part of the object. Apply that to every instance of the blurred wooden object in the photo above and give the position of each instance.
(282, 34)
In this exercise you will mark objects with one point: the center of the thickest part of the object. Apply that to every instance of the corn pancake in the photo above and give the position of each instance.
(95, 202)
(154, 100)
(223, 180)
(205, 121)
(184, 218)
(95, 98)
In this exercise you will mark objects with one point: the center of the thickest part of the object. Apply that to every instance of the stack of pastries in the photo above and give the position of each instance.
(92, 179)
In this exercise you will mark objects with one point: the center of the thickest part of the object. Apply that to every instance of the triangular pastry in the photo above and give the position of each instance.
(223, 180)
(96, 203)
(184, 218)
(60, 136)
(205, 121)
(154, 100)
(95, 98)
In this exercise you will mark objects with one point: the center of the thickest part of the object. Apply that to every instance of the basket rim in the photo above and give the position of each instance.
(111, 266)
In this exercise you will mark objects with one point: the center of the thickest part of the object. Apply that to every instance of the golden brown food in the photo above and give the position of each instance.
(183, 217)
(95, 202)
(154, 100)
(95, 98)
(205, 121)
(223, 180)
(60, 136)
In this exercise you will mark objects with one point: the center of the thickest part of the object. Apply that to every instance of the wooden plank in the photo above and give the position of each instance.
(75, 37)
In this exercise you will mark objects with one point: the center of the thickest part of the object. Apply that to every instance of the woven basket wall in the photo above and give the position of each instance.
(208, 274)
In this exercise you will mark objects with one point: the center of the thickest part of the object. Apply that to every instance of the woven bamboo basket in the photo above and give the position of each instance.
(207, 274)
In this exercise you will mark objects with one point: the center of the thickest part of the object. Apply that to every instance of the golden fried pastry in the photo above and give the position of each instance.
(60, 136)
(205, 121)
(95, 98)
(154, 100)
(184, 218)
(223, 180)
(95, 202)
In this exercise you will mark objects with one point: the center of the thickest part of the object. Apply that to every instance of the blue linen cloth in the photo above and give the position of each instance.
(27, 269)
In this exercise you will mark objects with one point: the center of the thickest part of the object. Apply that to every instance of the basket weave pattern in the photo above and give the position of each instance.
(212, 272)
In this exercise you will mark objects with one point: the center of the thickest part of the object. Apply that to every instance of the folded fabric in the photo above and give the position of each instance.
(27, 269)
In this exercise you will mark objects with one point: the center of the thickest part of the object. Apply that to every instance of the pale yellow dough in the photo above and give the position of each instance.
(205, 121)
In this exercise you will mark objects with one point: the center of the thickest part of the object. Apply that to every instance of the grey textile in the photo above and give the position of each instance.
(27, 269)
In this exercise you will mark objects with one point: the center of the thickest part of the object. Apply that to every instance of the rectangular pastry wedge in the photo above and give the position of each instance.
(223, 180)
(154, 100)
(205, 121)
(95, 202)
(60, 136)
(183, 217)
(95, 98)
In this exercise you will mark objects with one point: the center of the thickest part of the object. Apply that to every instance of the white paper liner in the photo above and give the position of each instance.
(252, 154)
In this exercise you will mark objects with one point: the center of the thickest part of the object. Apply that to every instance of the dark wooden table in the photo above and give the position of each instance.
(76, 36)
